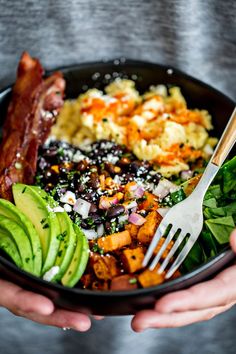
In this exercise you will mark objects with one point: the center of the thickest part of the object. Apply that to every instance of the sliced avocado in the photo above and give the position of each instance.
(8, 245)
(67, 236)
(21, 240)
(67, 245)
(79, 260)
(12, 212)
(45, 221)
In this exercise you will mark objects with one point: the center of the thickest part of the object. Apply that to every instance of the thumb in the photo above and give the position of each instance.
(233, 240)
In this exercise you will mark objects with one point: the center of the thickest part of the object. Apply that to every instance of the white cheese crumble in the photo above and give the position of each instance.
(67, 208)
(50, 274)
(69, 198)
(78, 156)
(58, 209)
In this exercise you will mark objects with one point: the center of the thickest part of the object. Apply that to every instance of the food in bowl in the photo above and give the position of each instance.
(99, 201)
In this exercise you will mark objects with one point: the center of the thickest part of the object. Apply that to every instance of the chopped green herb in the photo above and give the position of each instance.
(61, 151)
(96, 248)
(59, 253)
(77, 220)
(46, 198)
(43, 221)
(104, 120)
(133, 281)
(45, 226)
(62, 236)
(23, 191)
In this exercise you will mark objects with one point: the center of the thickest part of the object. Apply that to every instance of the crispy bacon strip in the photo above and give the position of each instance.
(34, 106)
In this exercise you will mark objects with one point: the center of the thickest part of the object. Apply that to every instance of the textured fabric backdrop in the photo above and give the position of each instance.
(197, 36)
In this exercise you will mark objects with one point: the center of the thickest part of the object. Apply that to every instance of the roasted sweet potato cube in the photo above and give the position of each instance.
(133, 230)
(129, 188)
(132, 259)
(176, 274)
(147, 230)
(100, 285)
(114, 241)
(106, 267)
(149, 203)
(150, 278)
(124, 282)
(86, 280)
(160, 243)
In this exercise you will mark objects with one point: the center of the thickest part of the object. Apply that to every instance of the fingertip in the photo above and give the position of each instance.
(166, 303)
(29, 303)
(98, 318)
(46, 307)
(82, 326)
(140, 321)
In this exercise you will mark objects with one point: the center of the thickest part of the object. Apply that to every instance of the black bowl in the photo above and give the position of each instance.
(198, 95)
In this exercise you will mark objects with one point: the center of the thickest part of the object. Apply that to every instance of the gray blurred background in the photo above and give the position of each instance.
(196, 36)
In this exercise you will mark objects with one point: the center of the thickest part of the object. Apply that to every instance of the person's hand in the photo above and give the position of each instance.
(200, 302)
(39, 308)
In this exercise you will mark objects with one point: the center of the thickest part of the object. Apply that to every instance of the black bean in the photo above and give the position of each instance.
(124, 161)
(135, 166)
(97, 220)
(93, 168)
(155, 178)
(93, 208)
(94, 181)
(105, 173)
(80, 188)
(108, 227)
(128, 177)
(51, 152)
(85, 225)
(112, 168)
(89, 196)
(82, 165)
(139, 167)
(115, 211)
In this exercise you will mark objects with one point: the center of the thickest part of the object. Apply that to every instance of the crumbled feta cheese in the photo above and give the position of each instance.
(58, 209)
(208, 149)
(50, 274)
(78, 156)
(67, 208)
(69, 198)
(112, 159)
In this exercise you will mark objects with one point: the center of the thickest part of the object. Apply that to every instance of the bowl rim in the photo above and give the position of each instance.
(225, 253)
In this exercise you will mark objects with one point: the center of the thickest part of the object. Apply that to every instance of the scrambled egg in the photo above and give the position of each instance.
(156, 126)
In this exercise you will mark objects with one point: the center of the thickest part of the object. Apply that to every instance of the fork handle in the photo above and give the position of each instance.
(226, 142)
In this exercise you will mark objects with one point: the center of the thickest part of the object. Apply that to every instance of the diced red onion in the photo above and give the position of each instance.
(137, 219)
(82, 207)
(136, 191)
(163, 211)
(100, 230)
(164, 187)
(185, 175)
(139, 192)
(90, 234)
(131, 205)
(105, 203)
(123, 218)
